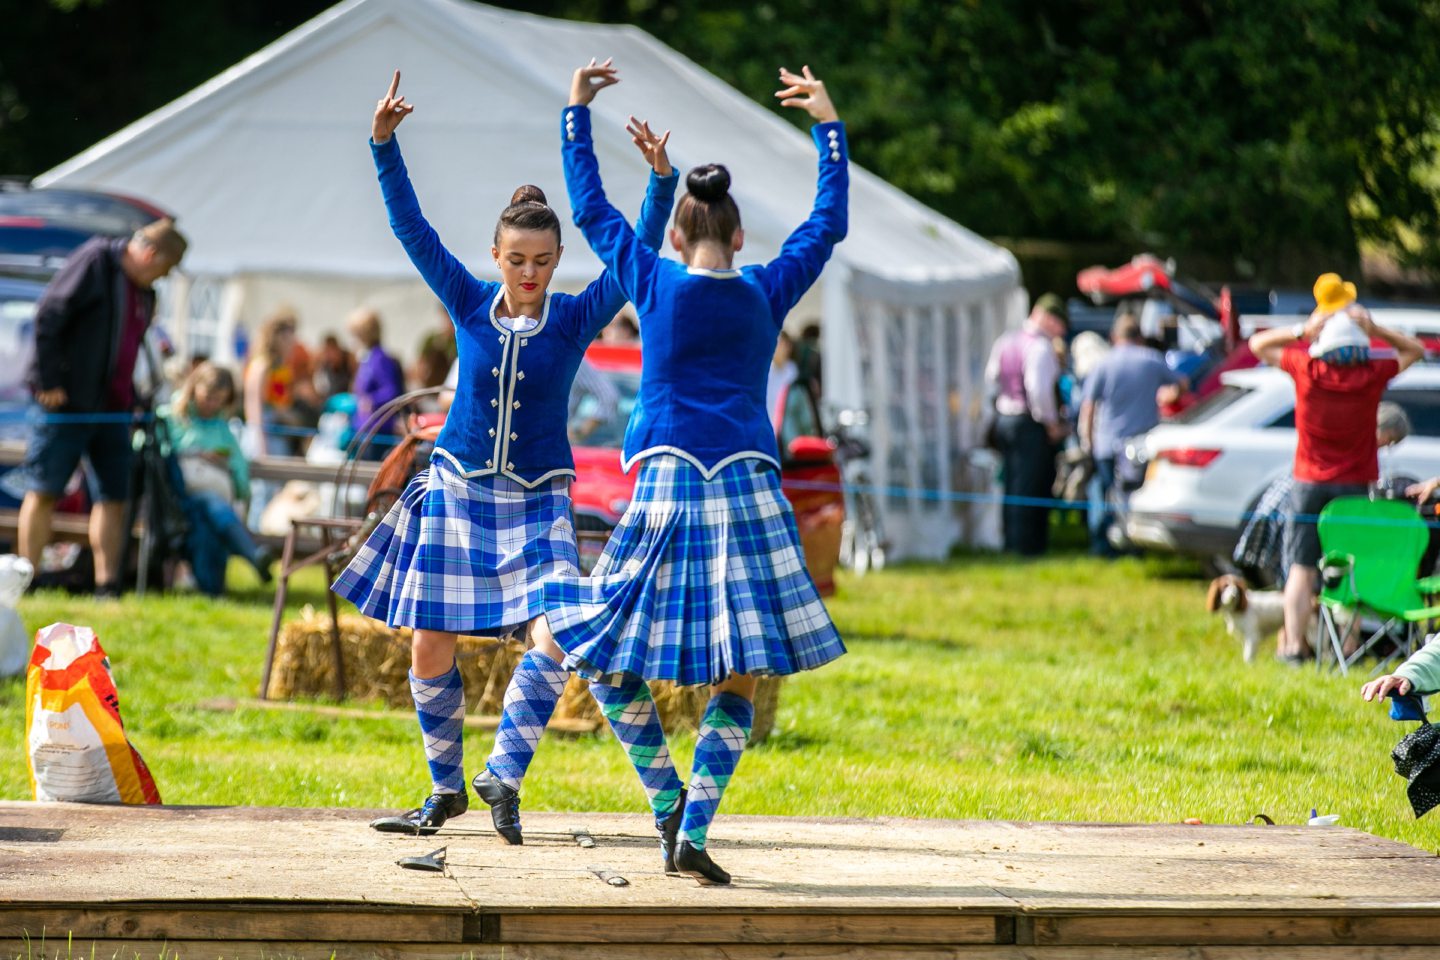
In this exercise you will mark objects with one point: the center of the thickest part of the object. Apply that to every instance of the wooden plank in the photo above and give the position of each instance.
(252, 922)
(57, 948)
(777, 927)
(282, 469)
(1238, 930)
(557, 725)
(183, 856)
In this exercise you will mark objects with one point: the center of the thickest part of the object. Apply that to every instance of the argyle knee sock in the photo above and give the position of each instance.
(530, 699)
(721, 739)
(440, 704)
(636, 723)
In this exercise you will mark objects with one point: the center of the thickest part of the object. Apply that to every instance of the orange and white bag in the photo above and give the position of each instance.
(77, 745)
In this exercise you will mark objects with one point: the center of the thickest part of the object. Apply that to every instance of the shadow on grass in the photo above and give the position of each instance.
(905, 636)
(788, 741)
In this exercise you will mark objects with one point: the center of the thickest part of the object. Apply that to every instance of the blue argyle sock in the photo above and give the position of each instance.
(440, 704)
(632, 715)
(530, 699)
(721, 739)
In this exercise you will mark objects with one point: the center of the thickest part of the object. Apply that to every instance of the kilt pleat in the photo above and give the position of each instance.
(701, 579)
(463, 555)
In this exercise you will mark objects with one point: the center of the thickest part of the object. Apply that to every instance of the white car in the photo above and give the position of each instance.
(1207, 468)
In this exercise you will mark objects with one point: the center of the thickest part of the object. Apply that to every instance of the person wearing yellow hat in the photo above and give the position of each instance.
(1338, 386)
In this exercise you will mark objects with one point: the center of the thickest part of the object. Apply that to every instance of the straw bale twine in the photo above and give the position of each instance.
(376, 660)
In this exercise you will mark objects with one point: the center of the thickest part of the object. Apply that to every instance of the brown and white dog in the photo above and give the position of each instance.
(1250, 615)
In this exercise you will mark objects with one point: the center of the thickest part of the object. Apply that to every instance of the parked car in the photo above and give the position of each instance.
(40, 227)
(810, 477)
(1206, 469)
(17, 348)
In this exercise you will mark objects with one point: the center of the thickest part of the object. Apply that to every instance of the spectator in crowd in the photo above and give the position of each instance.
(623, 329)
(378, 380)
(216, 476)
(1338, 386)
(271, 420)
(89, 326)
(307, 405)
(1259, 553)
(1022, 375)
(437, 353)
(1122, 398)
(603, 407)
(807, 357)
(334, 369)
(783, 372)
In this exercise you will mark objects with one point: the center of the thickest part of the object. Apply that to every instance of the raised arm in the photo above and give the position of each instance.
(446, 276)
(1269, 345)
(788, 276)
(1408, 350)
(600, 301)
(629, 261)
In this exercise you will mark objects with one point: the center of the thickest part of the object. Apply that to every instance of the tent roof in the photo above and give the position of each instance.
(267, 168)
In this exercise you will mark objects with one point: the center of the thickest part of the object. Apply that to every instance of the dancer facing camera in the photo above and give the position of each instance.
(703, 580)
(468, 545)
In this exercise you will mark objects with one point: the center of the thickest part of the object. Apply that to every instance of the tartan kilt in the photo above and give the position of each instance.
(463, 555)
(700, 579)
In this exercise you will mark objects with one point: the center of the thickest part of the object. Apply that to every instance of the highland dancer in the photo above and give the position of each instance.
(474, 536)
(703, 581)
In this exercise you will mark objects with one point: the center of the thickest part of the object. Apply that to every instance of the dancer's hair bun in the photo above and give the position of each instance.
(709, 183)
(529, 193)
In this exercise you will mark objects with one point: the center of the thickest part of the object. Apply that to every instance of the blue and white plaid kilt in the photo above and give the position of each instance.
(701, 579)
(467, 556)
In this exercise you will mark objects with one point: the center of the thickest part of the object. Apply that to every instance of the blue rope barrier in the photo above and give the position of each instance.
(890, 492)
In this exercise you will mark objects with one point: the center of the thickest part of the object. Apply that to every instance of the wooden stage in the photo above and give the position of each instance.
(202, 883)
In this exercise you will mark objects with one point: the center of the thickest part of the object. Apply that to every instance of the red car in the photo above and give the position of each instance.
(810, 476)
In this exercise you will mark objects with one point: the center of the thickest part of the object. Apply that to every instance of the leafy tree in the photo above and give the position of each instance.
(1275, 136)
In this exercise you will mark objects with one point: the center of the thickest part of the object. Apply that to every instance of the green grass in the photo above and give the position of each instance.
(1066, 689)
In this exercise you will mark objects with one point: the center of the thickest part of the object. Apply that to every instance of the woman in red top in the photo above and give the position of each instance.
(1338, 386)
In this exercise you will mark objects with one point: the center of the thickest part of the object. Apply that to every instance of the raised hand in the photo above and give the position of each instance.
(1362, 318)
(389, 111)
(804, 91)
(590, 80)
(1422, 491)
(650, 145)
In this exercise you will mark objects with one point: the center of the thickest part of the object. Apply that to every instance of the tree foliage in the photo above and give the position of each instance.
(1272, 135)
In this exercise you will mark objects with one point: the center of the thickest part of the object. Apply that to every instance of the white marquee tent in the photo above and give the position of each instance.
(267, 168)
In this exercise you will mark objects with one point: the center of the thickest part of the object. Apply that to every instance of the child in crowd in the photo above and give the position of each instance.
(216, 476)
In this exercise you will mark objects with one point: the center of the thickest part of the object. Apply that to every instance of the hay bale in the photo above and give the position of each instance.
(682, 707)
(376, 660)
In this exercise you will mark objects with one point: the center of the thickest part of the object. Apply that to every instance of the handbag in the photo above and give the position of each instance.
(205, 476)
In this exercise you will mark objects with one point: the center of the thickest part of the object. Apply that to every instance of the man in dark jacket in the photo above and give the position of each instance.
(89, 326)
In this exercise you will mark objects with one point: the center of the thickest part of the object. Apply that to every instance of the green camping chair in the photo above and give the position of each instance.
(1370, 550)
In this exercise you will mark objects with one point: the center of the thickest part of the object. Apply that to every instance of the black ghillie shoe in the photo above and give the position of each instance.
(669, 828)
(695, 862)
(427, 818)
(504, 805)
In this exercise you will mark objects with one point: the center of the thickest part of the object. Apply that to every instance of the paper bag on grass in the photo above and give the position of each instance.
(77, 745)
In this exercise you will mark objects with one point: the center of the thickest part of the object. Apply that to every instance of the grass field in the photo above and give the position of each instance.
(1065, 689)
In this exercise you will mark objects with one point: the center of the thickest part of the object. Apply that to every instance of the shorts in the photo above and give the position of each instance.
(1302, 536)
(58, 442)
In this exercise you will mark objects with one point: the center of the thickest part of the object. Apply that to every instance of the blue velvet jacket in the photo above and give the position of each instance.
(509, 413)
(707, 335)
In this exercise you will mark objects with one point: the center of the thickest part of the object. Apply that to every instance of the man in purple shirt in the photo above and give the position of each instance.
(1021, 378)
(378, 380)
